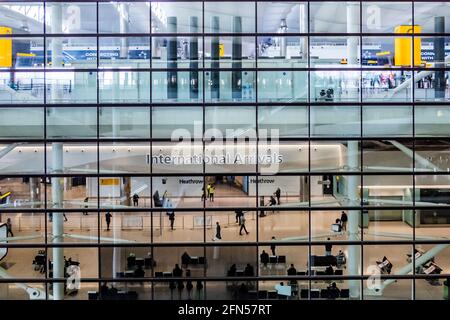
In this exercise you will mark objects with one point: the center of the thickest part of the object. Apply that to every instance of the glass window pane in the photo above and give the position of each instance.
(135, 16)
(226, 17)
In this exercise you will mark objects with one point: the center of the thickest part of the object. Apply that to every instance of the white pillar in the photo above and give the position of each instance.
(303, 28)
(352, 27)
(123, 9)
(56, 46)
(57, 219)
(354, 255)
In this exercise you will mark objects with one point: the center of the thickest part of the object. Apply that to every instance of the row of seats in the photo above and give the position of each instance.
(274, 259)
(146, 262)
(113, 295)
(323, 293)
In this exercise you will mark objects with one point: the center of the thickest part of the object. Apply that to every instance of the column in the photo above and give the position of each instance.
(283, 43)
(236, 56)
(354, 256)
(352, 27)
(303, 28)
(172, 83)
(215, 56)
(125, 191)
(123, 25)
(35, 190)
(439, 58)
(193, 60)
(56, 47)
(58, 219)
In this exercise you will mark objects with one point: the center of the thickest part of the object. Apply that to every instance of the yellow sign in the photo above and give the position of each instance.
(109, 182)
(221, 50)
(5, 48)
(404, 46)
(5, 195)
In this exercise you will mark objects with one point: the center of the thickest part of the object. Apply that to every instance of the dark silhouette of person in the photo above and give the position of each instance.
(86, 200)
(329, 271)
(172, 219)
(108, 216)
(278, 195)
(189, 285)
(139, 272)
(177, 271)
(136, 200)
(264, 257)
(9, 227)
(344, 219)
(249, 271)
(243, 226)
(272, 247)
(232, 271)
(292, 271)
(185, 259)
(333, 291)
(239, 214)
(218, 234)
(328, 248)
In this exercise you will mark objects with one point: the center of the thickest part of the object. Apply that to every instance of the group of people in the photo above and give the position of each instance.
(177, 272)
(249, 271)
(209, 192)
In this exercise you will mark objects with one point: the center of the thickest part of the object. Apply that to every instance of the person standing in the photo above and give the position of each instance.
(108, 216)
(278, 195)
(272, 246)
(9, 227)
(136, 200)
(86, 200)
(328, 248)
(218, 234)
(172, 219)
(243, 226)
(211, 193)
(344, 219)
(203, 194)
(208, 188)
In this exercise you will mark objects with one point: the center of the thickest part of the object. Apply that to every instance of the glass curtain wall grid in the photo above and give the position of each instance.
(119, 119)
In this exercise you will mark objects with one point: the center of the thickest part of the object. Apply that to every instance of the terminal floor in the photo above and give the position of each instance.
(280, 224)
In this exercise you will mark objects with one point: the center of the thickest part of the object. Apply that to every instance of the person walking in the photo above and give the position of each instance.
(239, 214)
(108, 217)
(172, 219)
(272, 246)
(218, 234)
(203, 194)
(211, 193)
(9, 227)
(243, 226)
(278, 195)
(344, 219)
(135, 200)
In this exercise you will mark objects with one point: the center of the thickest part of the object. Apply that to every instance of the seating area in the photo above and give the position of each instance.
(187, 260)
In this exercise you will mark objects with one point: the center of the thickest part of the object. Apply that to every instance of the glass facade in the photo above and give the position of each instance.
(213, 149)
